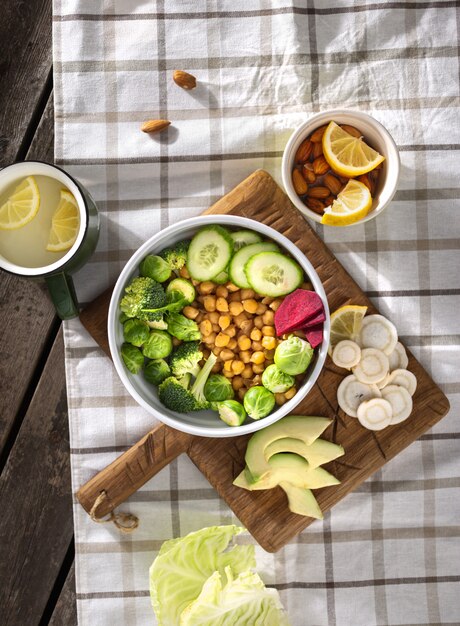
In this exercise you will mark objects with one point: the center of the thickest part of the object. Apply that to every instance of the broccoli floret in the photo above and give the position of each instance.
(177, 395)
(176, 255)
(185, 359)
(156, 320)
(143, 293)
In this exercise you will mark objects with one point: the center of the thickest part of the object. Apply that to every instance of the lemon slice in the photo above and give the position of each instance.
(352, 204)
(22, 206)
(65, 224)
(346, 324)
(347, 155)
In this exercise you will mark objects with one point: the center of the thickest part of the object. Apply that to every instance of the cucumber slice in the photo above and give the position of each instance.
(184, 287)
(221, 278)
(273, 274)
(243, 238)
(236, 268)
(209, 252)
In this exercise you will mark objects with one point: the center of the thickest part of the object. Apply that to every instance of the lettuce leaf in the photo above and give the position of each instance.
(183, 565)
(244, 601)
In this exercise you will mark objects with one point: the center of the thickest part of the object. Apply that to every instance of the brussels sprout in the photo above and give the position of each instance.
(156, 371)
(231, 412)
(218, 388)
(158, 345)
(123, 317)
(184, 287)
(155, 267)
(182, 328)
(132, 357)
(275, 380)
(293, 355)
(258, 402)
(135, 332)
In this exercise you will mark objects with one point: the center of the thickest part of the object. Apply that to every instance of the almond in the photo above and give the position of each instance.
(333, 184)
(351, 130)
(154, 126)
(299, 183)
(303, 151)
(320, 165)
(308, 173)
(315, 205)
(317, 135)
(317, 150)
(184, 79)
(318, 192)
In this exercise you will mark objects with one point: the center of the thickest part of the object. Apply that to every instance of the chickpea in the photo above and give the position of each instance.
(222, 305)
(237, 367)
(235, 308)
(176, 342)
(213, 316)
(244, 343)
(256, 334)
(227, 354)
(247, 372)
(247, 293)
(239, 319)
(246, 326)
(195, 283)
(190, 312)
(229, 374)
(224, 321)
(237, 383)
(235, 297)
(222, 340)
(210, 339)
(209, 303)
(257, 380)
(206, 352)
(205, 328)
(206, 287)
(258, 369)
(257, 357)
(257, 346)
(269, 355)
(268, 317)
(261, 308)
(269, 343)
(241, 393)
(258, 322)
(183, 272)
(199, 318)
(232, 344)
(268, 331)
(290, 393)
(280, 399)
(216, 328)
(267, 300)
(275, 305)
(216, 350)
(217, 368)
(230, 331)
(228, 366)
(231, 287)
(250, 305)
(222, 292)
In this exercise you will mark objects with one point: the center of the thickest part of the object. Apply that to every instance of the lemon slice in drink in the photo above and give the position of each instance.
(64, 224)
(352, 204)
(346, 324)
(347, 155)
(22, 206)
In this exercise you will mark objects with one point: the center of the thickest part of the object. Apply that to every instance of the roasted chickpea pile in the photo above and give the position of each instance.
(238, 326)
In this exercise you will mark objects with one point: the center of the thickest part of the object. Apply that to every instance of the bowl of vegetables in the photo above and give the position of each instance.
(218, 326)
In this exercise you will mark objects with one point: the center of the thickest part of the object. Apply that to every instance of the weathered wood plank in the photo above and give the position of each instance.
(35, 500)
(42, 145)
(65, 611)
(25, 66)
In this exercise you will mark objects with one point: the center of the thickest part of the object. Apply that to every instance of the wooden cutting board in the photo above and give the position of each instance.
(265, 513)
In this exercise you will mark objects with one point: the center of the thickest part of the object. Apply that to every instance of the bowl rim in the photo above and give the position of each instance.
(195, 223)
(352, 115)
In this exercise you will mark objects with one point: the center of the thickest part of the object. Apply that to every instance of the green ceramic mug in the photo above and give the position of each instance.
(23, 250)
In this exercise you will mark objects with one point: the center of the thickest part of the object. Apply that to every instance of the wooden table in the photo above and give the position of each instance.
(36, 538)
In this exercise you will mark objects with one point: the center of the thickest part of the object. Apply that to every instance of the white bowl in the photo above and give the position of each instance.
(376, 135)
(206, 423)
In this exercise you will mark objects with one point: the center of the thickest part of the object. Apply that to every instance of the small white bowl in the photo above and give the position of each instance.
(374, 133)
(206, 423)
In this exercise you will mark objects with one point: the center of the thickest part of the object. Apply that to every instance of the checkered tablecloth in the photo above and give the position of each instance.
(389, 554)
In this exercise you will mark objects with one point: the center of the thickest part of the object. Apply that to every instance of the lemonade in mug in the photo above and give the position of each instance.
(49, 227)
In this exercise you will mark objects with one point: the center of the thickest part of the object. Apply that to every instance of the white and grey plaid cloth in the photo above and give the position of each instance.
(389, 554)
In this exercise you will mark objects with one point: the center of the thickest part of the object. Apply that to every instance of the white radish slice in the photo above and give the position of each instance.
(382, 383)
(379, 333)
(351, 393)
(373, 366)
(403, 378)
(398, 358)
(400, 400)
(375, 414)
(346, 354)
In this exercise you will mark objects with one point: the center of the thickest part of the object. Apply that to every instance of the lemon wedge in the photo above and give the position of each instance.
(352, 204)
(64, 224)
(22, 206)
(347, 155)
(346, 324)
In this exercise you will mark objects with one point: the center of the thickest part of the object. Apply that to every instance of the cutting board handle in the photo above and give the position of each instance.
(132, 469)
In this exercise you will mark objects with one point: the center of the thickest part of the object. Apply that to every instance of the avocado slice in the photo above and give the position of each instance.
(305, 428)
(301, 501)
(317, 453)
